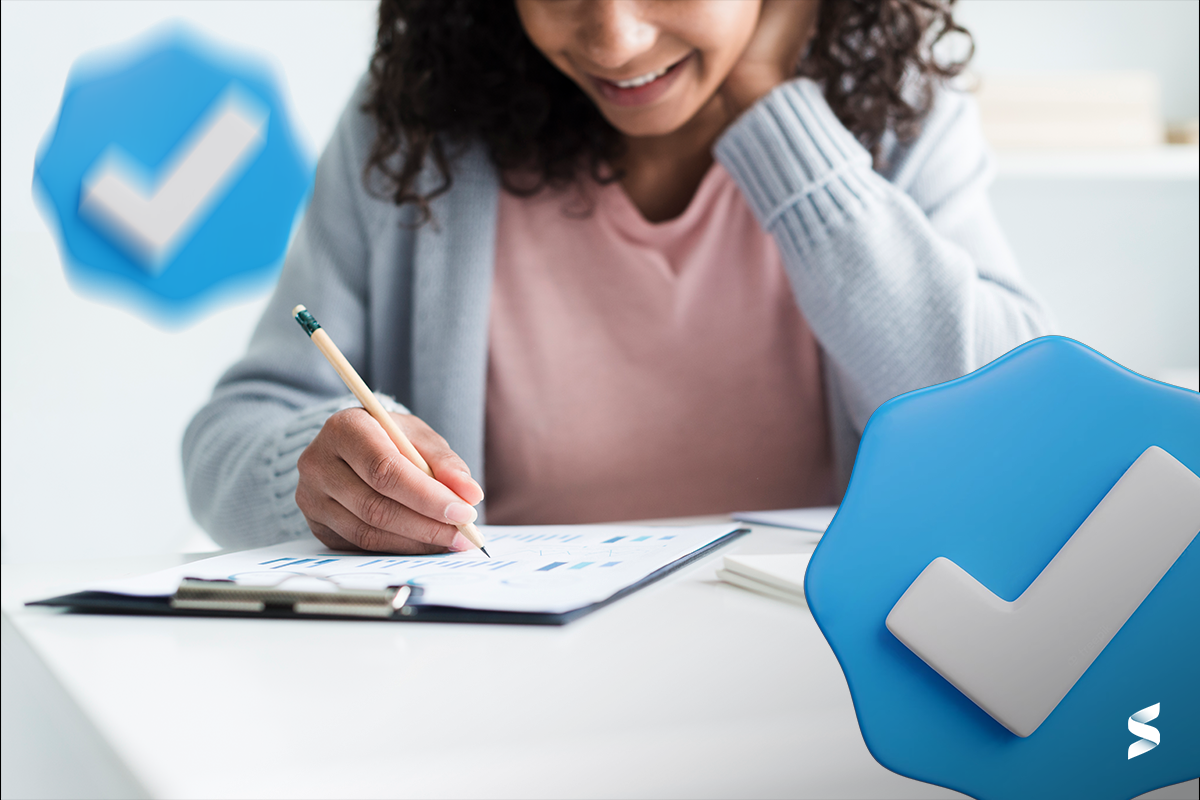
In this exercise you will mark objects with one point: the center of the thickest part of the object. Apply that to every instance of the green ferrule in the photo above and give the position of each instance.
(306, 320)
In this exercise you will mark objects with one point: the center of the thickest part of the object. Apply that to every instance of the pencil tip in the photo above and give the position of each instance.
(485, 552)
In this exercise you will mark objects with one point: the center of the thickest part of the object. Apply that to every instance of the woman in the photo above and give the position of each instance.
(623, 261)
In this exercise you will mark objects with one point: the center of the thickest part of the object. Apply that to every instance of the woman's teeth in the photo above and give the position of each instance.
(641, 80)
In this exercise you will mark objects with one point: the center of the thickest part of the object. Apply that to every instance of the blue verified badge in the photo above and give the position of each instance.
(172, 175)
(1012, 582)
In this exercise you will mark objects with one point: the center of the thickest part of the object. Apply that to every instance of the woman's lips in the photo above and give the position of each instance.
(643, 94)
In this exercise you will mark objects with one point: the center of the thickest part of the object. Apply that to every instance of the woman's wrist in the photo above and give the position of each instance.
(787, 146)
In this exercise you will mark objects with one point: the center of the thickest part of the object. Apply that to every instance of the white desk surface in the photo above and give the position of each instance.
(687, 688)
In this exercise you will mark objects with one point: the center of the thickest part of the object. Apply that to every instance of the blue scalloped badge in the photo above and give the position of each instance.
(172, 175)
(995, 471)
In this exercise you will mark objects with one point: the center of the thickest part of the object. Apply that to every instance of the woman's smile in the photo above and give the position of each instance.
(650, 67)
(641, 89)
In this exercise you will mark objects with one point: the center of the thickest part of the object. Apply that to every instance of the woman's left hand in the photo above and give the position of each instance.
(784, 28)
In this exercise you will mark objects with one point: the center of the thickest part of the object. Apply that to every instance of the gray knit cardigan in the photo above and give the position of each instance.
(902, 273)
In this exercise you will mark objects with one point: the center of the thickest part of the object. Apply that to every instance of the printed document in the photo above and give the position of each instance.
(537, 568)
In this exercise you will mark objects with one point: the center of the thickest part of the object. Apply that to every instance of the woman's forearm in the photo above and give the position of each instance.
(900, 296)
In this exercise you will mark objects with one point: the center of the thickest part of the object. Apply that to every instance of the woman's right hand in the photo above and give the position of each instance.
(359, 493)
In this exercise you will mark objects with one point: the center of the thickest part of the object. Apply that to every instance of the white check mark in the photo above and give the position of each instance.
(153, 218)
(1018, 660)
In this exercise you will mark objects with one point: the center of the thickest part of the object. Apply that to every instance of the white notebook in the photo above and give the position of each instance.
(780, 576)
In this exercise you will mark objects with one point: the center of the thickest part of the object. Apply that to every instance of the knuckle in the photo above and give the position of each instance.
(367, 536)
(431, 532)
(383, 472)
(312, 502)
(340, 427)
(376, 510)
(329, 431)
(305, 463)
(341, 419)
(303, 498)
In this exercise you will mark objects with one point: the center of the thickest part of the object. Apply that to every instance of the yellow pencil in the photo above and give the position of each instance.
(365, 396)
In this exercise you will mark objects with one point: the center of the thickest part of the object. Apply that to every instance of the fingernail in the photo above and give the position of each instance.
(460, 513)
(460, 543)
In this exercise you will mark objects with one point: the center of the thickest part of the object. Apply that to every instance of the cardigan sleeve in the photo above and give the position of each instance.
(907, 281)
(240, 450)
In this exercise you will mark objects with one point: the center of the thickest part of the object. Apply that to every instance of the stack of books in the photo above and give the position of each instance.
(1079, 109)
(781, 577)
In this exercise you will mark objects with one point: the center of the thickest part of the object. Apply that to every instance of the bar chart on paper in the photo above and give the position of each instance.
(539, 569)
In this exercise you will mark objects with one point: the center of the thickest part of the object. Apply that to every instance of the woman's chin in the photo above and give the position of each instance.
(646, 128)
(648, 122)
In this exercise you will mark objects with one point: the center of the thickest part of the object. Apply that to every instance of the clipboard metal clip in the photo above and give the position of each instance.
(227, 595)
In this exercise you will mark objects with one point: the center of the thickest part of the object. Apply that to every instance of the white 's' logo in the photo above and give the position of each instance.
(1149, 736)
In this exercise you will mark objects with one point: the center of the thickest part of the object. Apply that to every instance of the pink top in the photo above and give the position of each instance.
(640, 370)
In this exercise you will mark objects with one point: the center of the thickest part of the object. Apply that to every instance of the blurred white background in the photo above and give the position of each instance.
(95, 400)
(1108, 236)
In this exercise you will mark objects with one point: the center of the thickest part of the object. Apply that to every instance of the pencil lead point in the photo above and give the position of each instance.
(485, 552)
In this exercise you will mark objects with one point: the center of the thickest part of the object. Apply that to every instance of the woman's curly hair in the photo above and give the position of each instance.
(447, 72)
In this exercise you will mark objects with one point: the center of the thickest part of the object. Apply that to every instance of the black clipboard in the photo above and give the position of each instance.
(266, 604)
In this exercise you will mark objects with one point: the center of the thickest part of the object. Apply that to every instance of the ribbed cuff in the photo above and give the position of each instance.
(790, 153)
(284, 452)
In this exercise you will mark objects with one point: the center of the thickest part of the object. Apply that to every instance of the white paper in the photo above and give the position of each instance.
(784, 572)
(806, 519)
(767, 589)
(538, 568)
